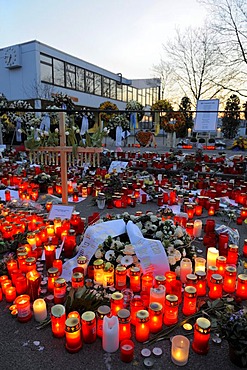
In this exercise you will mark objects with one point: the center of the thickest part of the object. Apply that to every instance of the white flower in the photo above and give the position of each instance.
(177, 255)
(184, 253)
(170, 250)
(126, 260)
(31, 128)
(153, 227)
(67, 133)
(56, 130)
(74, 128)
(46, 133)
(144, 231)
(179, 232)
(177, 271)
(133, 217)
(77, 131)
(159, 234)
(172, 260)
(98, 254)
(109, 255)
(19, 130)
(178, 242)
(129, 249)
(148, 225)
(38, 138)
(118, 260)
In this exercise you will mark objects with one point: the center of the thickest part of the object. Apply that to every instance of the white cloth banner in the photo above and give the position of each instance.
(45, 123)
(151, 253)
(94, 235)
(84, 125)
(119, 132)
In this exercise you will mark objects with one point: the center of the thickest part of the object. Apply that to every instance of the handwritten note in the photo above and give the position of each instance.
(58, 210)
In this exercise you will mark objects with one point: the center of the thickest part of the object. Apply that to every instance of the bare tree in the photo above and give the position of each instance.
(197, 71)
(229, 24)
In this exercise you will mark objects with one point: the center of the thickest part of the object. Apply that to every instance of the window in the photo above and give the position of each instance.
(70, 76)
(58, 70)
(46, 68)
(119, 92)
(106, 87)
(113, 89)
(130, 93)
(89, 82)
(97, 84)
(124, 96)
(80, 82)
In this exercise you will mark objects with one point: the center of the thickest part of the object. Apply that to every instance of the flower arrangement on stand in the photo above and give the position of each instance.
(173, 122)
(117, 120)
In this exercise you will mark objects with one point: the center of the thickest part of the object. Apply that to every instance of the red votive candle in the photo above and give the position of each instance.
(136, 304)
(124, 324)
(155, 317)
(52, 274)
(11, 266)
(59, 290)
(223, 244)
(101, 313)
(232, 255)
(120, 277)
(88, 321)
(33, 284)
(242, 286)
(221, 264)
(171, 310)
(117, 303)
(201, 284)
(127, 350)
(58, 318)
(201, 338)
(142, 326)
(229, 283)
(135, 279)
(59, 265)
(189, 305)
(10, 294)
(216, 286)
(23, 307)
(73, 335)
(147, 282)
(50, 255)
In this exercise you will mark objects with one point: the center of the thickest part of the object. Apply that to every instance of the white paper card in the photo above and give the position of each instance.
(63, 212)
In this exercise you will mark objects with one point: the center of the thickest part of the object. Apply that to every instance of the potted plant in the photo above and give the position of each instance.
(233, 327)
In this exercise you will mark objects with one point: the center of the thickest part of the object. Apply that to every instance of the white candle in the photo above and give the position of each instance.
(218, 132)
(39, 310)
(158, 295)
(110, 336)
(200, 263)
(180, 350)
(197, 229)
(189, 132)
(185, 269)
(212, 254)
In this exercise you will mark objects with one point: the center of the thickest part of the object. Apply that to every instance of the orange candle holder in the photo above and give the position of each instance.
(216, 286)
(117, 303)
(21, 284)
(135, 279)
(241, 291)
(171, 310)
(190, 298)
(142, 326)
(170, 278)
(230, 279)
(58, 317)
(101, 313)
(6, 284)
(124, 324)
(23, 307)
(98, 267)
(201, 338)
(156, 317)
(210, 271)
(11, 265)
(57, 263)
(30, 264)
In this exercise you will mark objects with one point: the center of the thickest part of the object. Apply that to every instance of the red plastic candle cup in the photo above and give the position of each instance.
(3, 278)
(209, 226)
(120, 277)
(216, 286)
(144, 198)
(117, 303)
(10, 294)
(142, 326)
(170, 276)
(21, 284)
(6, 284)
(127, 350)
(124, 324)
(58, 318)
(201, 284)
(221, 264)
(171, 310)
(201, 338)
(241, 291)
(23, 307)
(50, 255)
(59, 291)
(135, 279)
(229, 283)
(73, 335)
(223, 244)
(88, 321)
(232, 254)
(136, 304)
(11, 266)
(190, 297)
(59, 265)
(33, 284)
(147, 282)
(155, 317)
(101, 313)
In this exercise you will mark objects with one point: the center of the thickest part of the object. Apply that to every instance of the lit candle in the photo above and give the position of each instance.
(23, 307)
(136, 304)
(171, 310)
(52, 274)
(50, 255)
(124, 324)
(216, 286)
(197, 228)
(201, 284)
(117, 302)
(88, 321)
(108, 278)
(142, 326)
(242, 286)
(211, 211)
(77, 280)
(210, 271)
(201, 338)
(127, 350)
(59, 290)
(21, 284)
(110, 338)
(185, 269)
(147, 282)
(120, 277)
(180, 350)
(30, 264)
(39, 310)
(229, 283)
(58, 318)
(11, 265)
(159, 280)
(221, 264)
(3, 278)
(200, 263)
(57, 263)
(6, 284)
(198, 210)
(212, 254)
(170, 278)
(101, 313)
(98, 267)
(158, 295)
(155, 317)
(82, 263)
(232, 254)
(189, 305)
(218, 132)
(189, 132)
(10, 294)
(73, 335)
(223, 244)
(135, 279)
(33, 284)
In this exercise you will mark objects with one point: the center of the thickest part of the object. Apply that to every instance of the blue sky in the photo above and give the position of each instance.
(123, 36)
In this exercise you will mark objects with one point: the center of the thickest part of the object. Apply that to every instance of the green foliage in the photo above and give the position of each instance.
(185, 108)
(231, 119)
(163, 105)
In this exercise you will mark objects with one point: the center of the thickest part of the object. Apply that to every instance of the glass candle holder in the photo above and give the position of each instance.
(98, 266)
(147, 282)
(142, 326)
(10, 294)
(135, 279)
(200, 264)
(190, 298)
(127, 350)
(201, 284)
(102, 311)
(170, 277)
(158, 295)
(11, 265)
(52, 274)
(50, 255)
(171, 310)
(197, 228)
(73, 335)
(221, 264)
(223, 244)
(155, 317)
(108, 278)
(57, 263)
(230, 277)
(59, 290)
(159, 280)
(21, 284)
(30, 264)
(136, 304)
(210, 271)
(21, 257)
(241, 291)
(180, 350)
(88, 321)
(216, 286)
(232, 254)
(209, 226)
(212, 255)
(117, 303)
(33, 284)
(23, 307)
(201, 338)
(77, 280)
(120, 277)
(191, 280)
(185, 269)
(39, 310)
(124, 324)
(82, 263)
(58, 317)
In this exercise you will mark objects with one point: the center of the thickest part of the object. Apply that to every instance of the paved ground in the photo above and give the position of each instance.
(23, 346)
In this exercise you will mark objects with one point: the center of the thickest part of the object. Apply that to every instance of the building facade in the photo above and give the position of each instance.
(34, 71)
